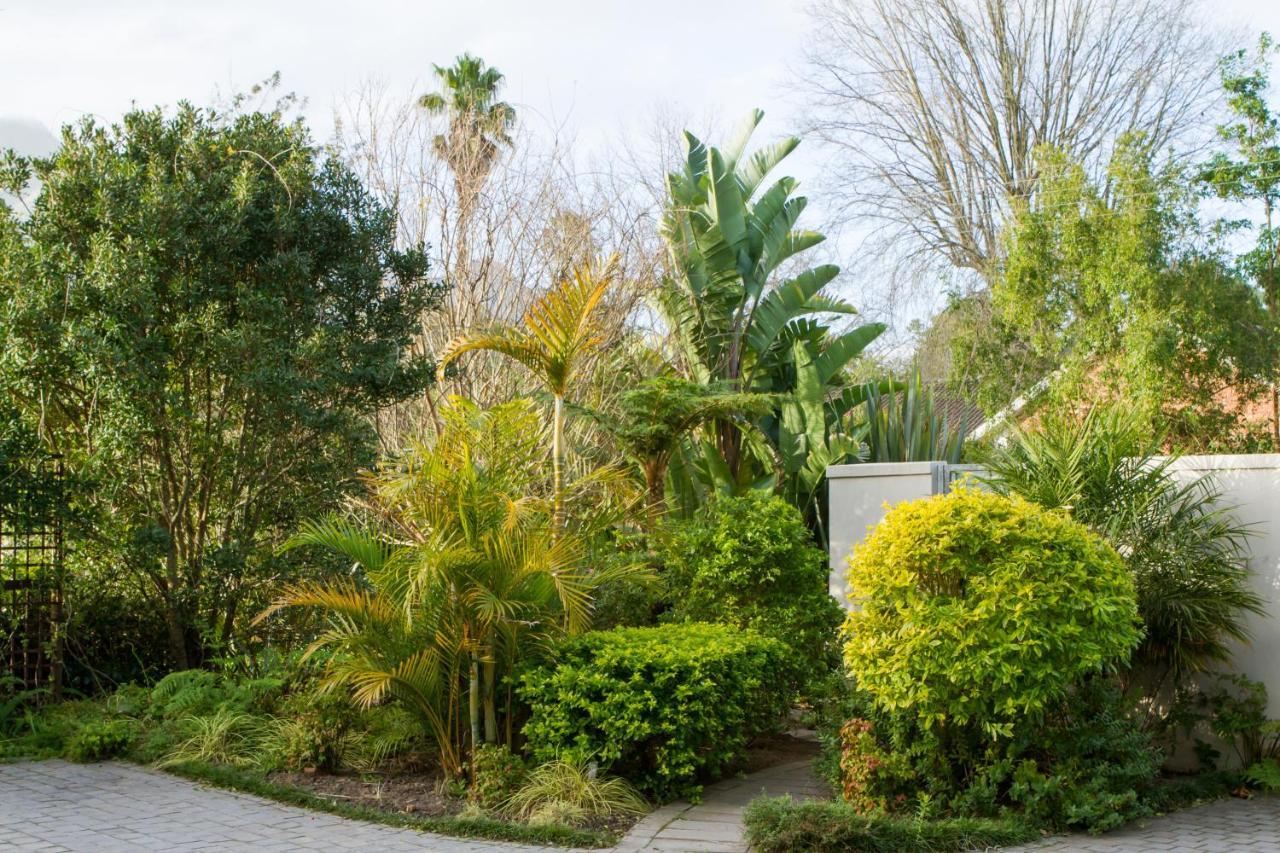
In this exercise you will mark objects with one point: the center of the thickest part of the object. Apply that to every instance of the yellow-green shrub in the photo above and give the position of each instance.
(977, 608)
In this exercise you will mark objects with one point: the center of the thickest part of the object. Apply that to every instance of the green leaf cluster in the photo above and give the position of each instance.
(750, 561)
(666, 708)
(975, 608)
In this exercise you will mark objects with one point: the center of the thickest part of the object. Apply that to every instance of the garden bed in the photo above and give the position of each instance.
(421, 794)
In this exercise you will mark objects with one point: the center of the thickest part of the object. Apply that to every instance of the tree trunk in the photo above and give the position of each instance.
(655, 493)
(473, 700)
(490, 703)
(557, 466)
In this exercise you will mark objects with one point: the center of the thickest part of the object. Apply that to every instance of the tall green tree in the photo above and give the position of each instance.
(1118, 289)
(742, 308)
(1252, 172)
(202, 312)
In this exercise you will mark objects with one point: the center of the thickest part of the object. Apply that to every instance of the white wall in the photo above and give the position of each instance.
(1251, 484)
(861, 494)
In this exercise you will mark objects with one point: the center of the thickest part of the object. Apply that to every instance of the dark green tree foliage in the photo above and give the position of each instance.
(750, 561)
(1117, 289)
(1253, 175)
(202, 312)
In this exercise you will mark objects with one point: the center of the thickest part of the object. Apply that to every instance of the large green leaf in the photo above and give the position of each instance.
(845, 349)
(785, 302)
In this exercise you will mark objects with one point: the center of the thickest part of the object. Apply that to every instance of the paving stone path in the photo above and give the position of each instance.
(1222, 826)
(103, 808)
(715, 825)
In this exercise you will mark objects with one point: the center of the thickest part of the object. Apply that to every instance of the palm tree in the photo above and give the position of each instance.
(652, 419)
(557, 337)
(479, 128)
(463, 577)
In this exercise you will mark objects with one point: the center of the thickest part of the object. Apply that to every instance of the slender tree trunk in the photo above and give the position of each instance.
(655, 494)
(173, 612)
(474, 702)
(557, 466)
(490, 702)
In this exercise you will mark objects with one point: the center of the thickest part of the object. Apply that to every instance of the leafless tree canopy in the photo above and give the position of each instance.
(935, 106)
(499, 229)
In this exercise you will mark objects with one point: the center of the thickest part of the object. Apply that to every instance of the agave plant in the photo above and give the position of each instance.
(463, 576)
(1187, 553)
(904, 425)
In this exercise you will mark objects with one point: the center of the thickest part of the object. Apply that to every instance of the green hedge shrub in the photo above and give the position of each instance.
(99, 740)
(781, 825)
(750, 561)
(975, 607)
(665, 707)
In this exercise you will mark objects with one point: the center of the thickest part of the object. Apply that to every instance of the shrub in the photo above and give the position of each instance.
(781, 825)
(1187, 554)
(570, 791)
(1085, 765)
(99, 740)
(497, 773)
(313, 730)
(665, 707)
(750, 561)
(974, 607)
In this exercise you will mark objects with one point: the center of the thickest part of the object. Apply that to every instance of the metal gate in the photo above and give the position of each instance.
(31, 574)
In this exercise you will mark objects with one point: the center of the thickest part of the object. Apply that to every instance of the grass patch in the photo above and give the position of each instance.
(250, 782)
(779, 825)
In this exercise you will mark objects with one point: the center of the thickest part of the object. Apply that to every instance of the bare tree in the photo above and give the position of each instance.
(935, 107)
(535, 213)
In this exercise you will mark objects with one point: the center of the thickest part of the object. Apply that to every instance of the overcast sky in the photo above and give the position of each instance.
(584, 65)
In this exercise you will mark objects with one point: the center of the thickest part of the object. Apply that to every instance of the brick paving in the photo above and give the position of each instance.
(103, 808)
(715, 825)
(1218, 827)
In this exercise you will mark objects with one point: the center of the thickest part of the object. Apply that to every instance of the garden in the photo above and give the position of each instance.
(340, 527)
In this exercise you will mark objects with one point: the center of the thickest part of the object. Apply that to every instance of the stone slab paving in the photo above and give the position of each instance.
(104, 808)
(715, 825)
(1218, 827)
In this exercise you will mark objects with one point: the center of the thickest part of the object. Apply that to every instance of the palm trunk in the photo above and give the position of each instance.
(473, 698)
(656, 499)
(557, 466)
(490, 704)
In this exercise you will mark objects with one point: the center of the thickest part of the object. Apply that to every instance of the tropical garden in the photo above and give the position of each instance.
(476, 512)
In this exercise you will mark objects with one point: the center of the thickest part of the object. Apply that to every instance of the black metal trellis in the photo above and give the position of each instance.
(31, 569)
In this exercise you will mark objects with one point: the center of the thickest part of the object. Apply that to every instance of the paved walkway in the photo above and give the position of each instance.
(1218, 827)
(715, 825)
(104, 808)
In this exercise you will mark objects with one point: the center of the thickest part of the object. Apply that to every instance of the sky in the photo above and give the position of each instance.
(590, 70)
(587, 66)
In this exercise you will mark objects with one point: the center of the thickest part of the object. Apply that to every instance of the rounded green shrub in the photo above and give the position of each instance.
(750, 561)
(99, 740)
(975, 608)
(666, 708)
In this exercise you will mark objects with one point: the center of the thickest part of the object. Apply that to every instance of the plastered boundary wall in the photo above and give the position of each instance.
(1250, 485)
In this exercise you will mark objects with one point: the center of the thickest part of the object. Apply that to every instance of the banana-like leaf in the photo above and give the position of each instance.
(845, 349)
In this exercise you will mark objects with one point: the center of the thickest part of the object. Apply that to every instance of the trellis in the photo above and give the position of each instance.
(31, 566)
